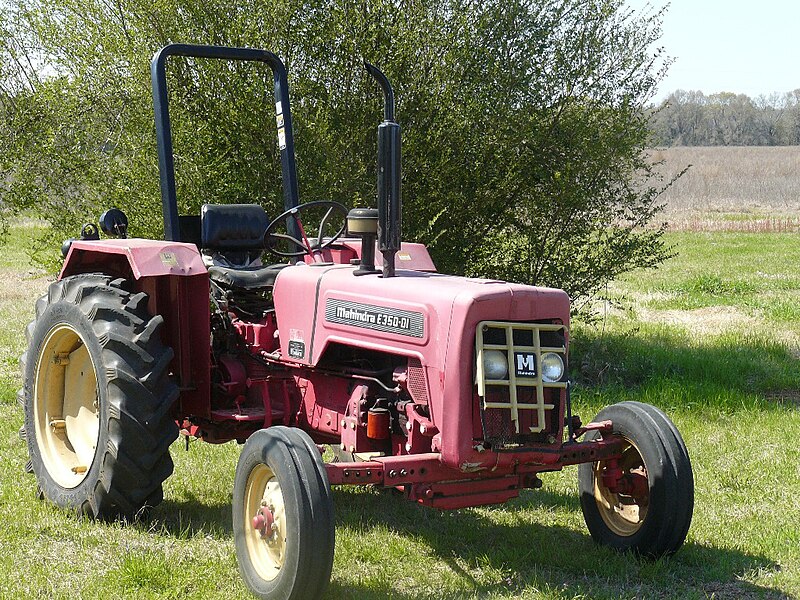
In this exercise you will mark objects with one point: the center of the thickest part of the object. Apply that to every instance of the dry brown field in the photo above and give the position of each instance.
(737, 188)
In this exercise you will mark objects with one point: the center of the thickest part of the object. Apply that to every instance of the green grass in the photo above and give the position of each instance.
(733, 391)
(757, 273)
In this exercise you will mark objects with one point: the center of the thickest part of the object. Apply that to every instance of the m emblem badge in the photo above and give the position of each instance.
(524, 364)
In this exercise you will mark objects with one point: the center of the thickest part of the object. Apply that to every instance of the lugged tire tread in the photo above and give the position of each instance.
(160, 364)
(41, 304)
(149, 438)
(137, 302)
(29, 331)
(136, 460)
(123, 347)
(145, 335)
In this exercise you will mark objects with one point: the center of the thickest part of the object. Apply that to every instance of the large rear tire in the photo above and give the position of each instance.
(643, 501)
(283, 519)
(97, 398)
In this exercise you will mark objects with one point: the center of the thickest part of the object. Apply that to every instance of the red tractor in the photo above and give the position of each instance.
(452, 390)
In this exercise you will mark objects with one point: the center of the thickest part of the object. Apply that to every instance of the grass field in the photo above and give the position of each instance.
(713, 338)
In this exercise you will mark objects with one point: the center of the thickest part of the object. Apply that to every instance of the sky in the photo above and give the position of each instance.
(751, 48)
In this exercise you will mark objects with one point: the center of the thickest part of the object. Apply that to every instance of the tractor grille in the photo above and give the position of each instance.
(417, 386)
(520, 408)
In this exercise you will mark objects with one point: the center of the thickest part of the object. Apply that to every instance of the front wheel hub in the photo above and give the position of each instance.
(264, 506)
(264, 523)
(622, 492)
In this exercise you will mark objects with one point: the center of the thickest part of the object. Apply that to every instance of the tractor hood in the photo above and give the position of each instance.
(413, 314)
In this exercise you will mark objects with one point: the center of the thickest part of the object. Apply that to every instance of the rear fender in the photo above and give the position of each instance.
(133, 259)
(176, 281)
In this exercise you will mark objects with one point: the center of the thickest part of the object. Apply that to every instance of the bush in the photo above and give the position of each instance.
(522, 120)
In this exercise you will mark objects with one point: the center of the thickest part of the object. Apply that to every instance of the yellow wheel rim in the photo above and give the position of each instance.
(624, 514)
(266, 549)
(66, 406)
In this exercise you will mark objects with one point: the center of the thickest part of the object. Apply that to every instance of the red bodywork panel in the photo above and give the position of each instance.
(176, 280)
(411, 256)
(136, 258)
(425, 316)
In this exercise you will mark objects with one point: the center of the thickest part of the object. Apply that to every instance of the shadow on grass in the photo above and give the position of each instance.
(489, 551)
(189, 518)
(525, 556)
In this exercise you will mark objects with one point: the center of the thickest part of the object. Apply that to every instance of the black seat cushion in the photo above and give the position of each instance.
(235, 229)
(247, 278)
(233, 226)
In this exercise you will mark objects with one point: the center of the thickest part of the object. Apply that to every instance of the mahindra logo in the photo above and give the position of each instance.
(524, 364)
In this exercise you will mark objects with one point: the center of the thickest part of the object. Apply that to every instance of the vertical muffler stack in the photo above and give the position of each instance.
(389, 200)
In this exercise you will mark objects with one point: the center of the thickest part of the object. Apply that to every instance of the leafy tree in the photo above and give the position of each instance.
(523, 121)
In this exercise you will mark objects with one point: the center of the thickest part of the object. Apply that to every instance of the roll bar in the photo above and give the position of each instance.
(166, 164)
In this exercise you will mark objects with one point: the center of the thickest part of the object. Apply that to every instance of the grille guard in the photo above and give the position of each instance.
(518, 342)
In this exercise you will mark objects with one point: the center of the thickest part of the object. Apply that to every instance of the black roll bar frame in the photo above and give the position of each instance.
(166, 163)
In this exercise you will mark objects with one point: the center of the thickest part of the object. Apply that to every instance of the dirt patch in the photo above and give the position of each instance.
(22, 285)
(741, 590)
(709, 320)
(789, 397)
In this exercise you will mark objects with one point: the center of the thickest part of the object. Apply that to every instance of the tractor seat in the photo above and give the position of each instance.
(246, 278)
(232, 240)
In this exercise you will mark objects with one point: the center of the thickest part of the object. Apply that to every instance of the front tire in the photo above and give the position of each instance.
(283, 520)
(643, 501)
(97, 398)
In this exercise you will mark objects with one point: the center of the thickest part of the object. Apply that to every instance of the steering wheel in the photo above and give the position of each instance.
(272, 238)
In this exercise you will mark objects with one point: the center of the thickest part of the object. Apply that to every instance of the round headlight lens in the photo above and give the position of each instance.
(552, 367)
(495, 364)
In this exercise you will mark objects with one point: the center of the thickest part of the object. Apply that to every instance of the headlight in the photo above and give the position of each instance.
(495, 364)
(552, 367)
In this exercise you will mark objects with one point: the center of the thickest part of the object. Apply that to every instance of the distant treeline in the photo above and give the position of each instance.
(726, 119)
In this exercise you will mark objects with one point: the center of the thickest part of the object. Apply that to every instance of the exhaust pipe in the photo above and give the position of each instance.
(389, 199)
